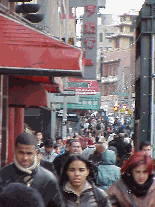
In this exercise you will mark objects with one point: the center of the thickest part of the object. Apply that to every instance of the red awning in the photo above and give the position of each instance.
(27, 94)
(28, 51)
(44, 80)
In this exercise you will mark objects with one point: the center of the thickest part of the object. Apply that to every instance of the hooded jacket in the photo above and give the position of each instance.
(40, 179)
(108, 172)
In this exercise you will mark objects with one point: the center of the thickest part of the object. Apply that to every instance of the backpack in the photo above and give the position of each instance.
(98, 126)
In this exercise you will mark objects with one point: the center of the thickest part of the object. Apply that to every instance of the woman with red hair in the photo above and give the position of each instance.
(136, 187)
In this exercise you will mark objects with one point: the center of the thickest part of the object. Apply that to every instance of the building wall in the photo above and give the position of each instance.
(51, 19)
(71, 28)
(124, 42)
(126, 29)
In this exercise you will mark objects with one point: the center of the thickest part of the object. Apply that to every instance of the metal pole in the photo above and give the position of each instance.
(53, 121)
(64, 121)
(152, 97)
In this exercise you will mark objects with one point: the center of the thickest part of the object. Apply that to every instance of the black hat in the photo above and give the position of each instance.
(49, 143)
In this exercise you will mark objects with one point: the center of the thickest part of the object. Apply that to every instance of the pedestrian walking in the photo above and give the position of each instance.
(48, 152)
(77, 187)
(74, 147)
(25, 169)
(108, 172)
(136, 187)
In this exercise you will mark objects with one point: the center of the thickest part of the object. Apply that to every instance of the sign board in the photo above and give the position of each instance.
(86, 102)
(59, 99)
(121, 94)
(68, 92)
(82, 3)
(70, 116)
(90, 34)
(83, 87)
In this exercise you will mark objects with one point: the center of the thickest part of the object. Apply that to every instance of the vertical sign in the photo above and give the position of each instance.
(89, 41)
(90, 35)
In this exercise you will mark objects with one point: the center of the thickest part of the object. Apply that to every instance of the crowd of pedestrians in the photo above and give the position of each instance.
(94, 168)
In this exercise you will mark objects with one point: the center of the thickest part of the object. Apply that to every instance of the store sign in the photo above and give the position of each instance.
(70, 116)
(90, 35)
(87, 102)
(83, 87)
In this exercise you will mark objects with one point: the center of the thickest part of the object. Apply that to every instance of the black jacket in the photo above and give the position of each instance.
(43, 180)
(59, 162)
(49, 166)
(89, 197)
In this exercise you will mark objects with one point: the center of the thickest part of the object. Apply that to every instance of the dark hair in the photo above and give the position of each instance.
(26, 139)
(36, 132)
(19, 195)
(144, 144)
(64, 177)
(137, 159)
(58, 137)
(128, 147)
(68, 141)
(74, 140)
(48, 142)
(97, 139)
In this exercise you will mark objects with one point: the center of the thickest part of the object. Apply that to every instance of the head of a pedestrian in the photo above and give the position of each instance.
(76, 171)
(39, 136)
(139, 166)
(146, 148)
(26, 149)
(19, 195)
(75, 147)
(59, 140)
(48, 145)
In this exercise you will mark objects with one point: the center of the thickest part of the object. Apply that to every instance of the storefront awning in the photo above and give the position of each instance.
(29, 96)
(23, 93)
(28, 51)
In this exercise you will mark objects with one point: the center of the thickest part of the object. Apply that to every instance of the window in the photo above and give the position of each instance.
(131, 40)
(101, 37)
(121, 29)
(132, 28)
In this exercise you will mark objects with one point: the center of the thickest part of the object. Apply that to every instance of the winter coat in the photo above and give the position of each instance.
(59, 162)
(88, 151)
(42, 180)
(49, 166)
(108, 172)
(49, 157)
(91, 196)
(120, 196)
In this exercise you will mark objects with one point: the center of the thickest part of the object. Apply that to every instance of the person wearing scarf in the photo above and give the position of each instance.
(136, 187)
(25, 169)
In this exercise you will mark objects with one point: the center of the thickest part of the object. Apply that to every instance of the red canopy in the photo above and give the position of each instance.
(28, 51)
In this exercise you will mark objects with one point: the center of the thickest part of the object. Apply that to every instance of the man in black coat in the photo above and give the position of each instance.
(25, 169)
(73, 146)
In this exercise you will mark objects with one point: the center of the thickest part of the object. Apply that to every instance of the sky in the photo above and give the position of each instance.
(118, 7)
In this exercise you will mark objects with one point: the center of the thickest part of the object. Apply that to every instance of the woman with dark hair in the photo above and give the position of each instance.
(77, 186)
(136, 187)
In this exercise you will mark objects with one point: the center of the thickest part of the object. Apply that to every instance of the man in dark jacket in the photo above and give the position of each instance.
(73, 147)
(25, 169)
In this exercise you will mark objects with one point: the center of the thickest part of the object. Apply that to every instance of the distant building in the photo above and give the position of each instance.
(117, 77)
(125, 35)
